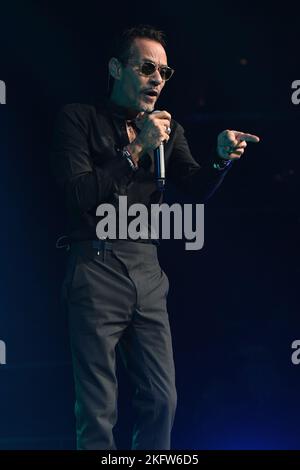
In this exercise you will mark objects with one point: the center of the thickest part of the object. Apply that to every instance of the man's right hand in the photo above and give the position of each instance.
(153, 130)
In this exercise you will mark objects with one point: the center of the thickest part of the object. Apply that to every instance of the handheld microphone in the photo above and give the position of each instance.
(159, 165)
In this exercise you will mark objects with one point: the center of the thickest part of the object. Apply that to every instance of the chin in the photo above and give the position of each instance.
(147, 107)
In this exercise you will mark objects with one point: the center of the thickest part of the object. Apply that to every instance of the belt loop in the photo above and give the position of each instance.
(98, 246)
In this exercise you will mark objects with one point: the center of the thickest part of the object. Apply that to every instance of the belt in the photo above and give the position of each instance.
(91, 246)
(95, 244)
(102, 245)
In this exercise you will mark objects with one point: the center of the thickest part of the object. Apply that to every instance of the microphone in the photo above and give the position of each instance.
(159, 165)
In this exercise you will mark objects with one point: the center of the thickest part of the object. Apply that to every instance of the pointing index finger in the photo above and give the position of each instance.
(247, 137)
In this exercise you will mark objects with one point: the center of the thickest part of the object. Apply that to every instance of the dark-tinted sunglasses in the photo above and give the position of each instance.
(148, 68)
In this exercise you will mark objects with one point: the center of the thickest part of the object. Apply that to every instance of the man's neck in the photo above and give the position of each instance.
(124, 109)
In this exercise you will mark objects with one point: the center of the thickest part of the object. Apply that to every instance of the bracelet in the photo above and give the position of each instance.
(126, 154)
(221, 164)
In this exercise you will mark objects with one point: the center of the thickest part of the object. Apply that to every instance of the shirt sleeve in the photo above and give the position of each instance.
(188, 175)
(85, 183)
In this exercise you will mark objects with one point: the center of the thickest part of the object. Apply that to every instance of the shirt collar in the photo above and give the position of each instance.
(118, 111)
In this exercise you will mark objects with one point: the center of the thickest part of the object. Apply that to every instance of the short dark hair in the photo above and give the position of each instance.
(124, 41)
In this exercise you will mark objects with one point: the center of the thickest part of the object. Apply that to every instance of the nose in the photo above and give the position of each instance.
(156, 78)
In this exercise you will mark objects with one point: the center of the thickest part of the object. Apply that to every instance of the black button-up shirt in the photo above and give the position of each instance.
(88, 165)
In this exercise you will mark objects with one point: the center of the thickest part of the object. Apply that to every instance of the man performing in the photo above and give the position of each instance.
(115, 290)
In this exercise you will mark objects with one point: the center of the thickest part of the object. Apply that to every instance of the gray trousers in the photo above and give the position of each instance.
(116, 297)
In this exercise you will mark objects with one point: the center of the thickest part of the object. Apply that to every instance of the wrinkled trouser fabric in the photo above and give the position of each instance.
(117, 298)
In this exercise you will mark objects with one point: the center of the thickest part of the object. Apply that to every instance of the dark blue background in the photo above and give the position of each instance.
(233, 306)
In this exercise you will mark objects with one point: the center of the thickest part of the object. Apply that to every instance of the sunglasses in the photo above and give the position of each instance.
(148, 68)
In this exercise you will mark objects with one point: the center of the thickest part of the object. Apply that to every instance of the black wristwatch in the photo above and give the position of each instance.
(126, 154)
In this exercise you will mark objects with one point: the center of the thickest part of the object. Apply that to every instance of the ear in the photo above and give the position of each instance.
(115, 68)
